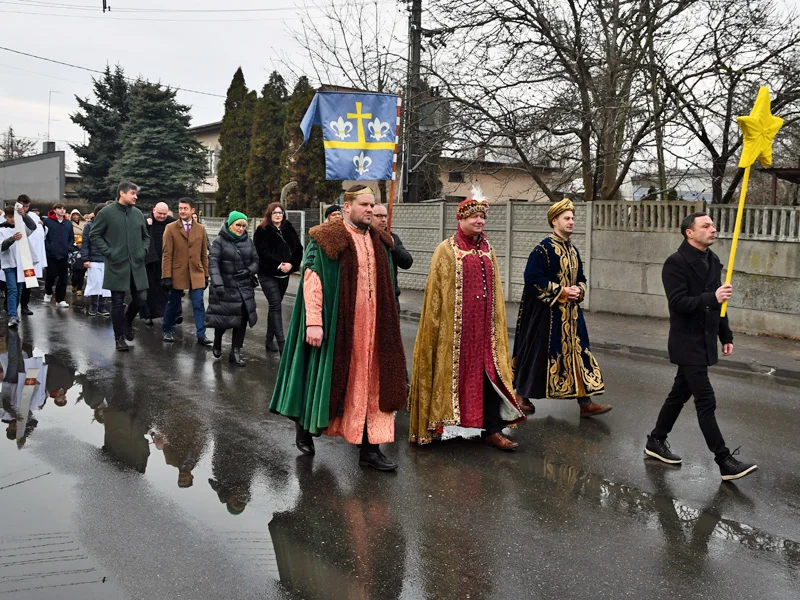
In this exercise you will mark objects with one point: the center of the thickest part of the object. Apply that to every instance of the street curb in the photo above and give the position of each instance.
(732, 367)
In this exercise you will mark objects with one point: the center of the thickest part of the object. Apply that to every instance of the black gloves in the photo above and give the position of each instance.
(166, 282)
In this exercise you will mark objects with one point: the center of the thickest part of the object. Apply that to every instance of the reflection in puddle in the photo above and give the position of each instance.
(338, 545)
(681, 524)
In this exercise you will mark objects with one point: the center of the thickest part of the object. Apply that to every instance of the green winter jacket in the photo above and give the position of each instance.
(119, 233)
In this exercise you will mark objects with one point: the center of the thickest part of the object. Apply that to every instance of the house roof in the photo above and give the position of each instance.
(206, 127)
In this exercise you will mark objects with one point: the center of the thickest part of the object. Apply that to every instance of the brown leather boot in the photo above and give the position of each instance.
(593, 410)
(501, 442)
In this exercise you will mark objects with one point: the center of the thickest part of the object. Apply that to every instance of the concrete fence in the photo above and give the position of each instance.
(623, 246)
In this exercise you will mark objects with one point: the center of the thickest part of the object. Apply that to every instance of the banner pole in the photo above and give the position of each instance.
(736, 229)
(394, 160)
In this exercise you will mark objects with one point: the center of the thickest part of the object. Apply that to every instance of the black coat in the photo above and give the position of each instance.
(276, 246)
(156, 231)
(88, 251)
(400, 258)
(694, 313)
(59, 237)
(231, 263)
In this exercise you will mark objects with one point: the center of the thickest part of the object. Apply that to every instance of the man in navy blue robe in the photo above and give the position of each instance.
(551, 357)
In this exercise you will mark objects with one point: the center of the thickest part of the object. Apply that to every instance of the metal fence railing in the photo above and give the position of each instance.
(769, 223)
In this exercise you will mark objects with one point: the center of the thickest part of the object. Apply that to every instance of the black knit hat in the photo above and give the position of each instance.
(332, 209)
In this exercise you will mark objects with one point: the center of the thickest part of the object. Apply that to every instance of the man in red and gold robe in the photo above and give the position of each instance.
(461, 383)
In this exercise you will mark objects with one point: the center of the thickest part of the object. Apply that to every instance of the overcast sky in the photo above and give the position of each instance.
(194, 50)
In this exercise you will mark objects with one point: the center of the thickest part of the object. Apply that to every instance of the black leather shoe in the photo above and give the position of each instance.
(129, 333)
(216, 350)
(167, 337)
(371, 456)
(122, 346)
(304, 441)
(271, 345)
(26, 311)
(281, 345)
(236, 357)
(204, 341)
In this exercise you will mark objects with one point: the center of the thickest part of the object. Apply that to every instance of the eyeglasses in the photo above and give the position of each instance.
(277, 212)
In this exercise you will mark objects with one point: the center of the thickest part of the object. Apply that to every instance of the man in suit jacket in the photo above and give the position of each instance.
(692, 282)
(184, 266)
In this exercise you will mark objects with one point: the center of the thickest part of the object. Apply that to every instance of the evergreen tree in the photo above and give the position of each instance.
(102, 119)
(234, 139)
(158, 153)
(263, 175)
(306, 167)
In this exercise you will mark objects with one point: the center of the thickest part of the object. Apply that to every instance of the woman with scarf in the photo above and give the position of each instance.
(233, 264)
(279, 255)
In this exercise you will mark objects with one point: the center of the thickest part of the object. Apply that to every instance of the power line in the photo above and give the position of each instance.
(210, 21)
(65, 64)
(85, 7)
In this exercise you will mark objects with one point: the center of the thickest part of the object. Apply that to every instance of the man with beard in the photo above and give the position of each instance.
(551, 347)
(343, 371)
(157, 296)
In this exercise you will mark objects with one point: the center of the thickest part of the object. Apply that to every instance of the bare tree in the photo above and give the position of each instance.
(15, 147)
(727, 49)
(556, 81)
(353, 44)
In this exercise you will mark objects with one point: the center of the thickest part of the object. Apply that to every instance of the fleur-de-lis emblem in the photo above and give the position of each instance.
(341, 128)
(379, 129)
(362, 162)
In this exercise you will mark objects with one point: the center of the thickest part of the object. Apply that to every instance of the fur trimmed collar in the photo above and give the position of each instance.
(333, 238)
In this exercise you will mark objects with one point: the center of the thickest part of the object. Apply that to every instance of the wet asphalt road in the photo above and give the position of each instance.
(92, 507)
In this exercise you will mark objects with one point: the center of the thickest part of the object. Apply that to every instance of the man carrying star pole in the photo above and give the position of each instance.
(551, 346)
(461, 382)
(342, 371)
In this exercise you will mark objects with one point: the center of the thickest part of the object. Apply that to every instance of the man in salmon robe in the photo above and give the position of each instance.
(342, 371)
(461, 382)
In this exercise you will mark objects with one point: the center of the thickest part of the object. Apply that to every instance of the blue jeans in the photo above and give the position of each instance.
(13, 291)
(171, 312)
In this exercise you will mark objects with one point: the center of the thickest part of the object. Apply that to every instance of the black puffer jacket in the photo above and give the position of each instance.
(88, 251)
(231, 263)
(275, 246)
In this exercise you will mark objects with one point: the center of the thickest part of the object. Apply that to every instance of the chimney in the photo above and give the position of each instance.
(48, 147)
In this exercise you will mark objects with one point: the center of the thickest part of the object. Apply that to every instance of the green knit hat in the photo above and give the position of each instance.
(235, 216)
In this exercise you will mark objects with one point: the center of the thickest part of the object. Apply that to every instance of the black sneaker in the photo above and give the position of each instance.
(731, 469)
(167, 337)
(26, 311)
(122, 346)
(92, 312)
(659, 449)
(129, 333)
(103, 312)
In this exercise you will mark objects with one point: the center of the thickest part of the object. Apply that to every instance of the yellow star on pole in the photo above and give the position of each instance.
(758, 129)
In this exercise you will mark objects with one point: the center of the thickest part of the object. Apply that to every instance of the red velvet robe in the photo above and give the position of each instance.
(476, 360)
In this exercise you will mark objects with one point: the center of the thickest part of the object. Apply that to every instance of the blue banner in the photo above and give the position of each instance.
(358, 130)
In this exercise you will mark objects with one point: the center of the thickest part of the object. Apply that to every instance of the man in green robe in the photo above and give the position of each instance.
(342, 371)
(119, 233)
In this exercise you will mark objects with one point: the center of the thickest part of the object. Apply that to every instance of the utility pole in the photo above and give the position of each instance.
(412, 157)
